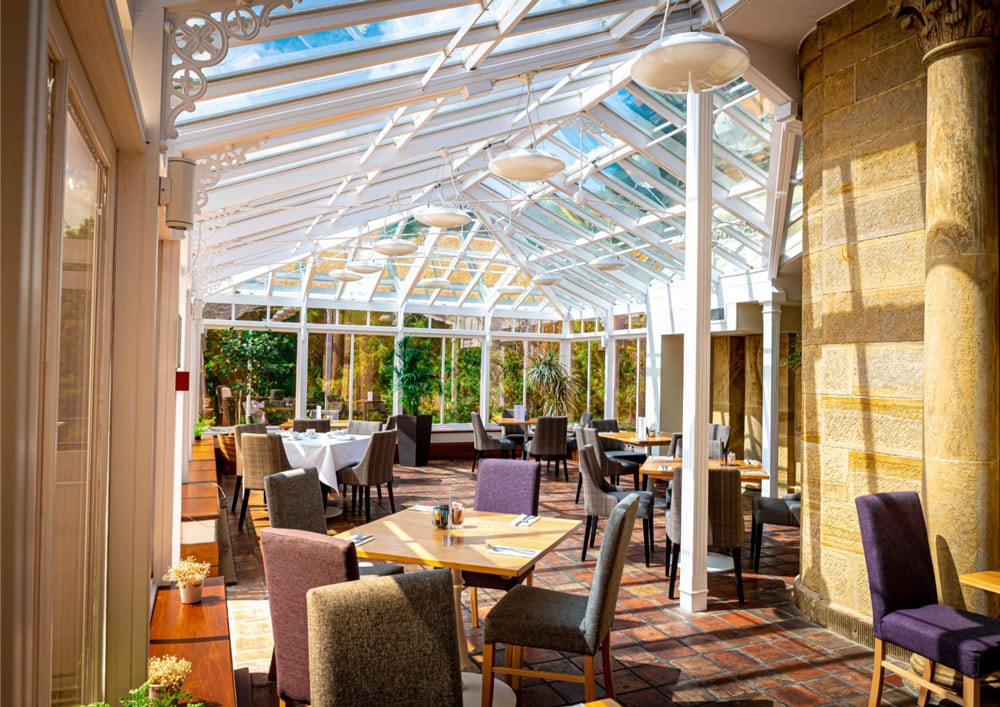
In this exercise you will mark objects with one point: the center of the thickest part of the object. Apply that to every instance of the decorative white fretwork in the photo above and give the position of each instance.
(211, 167)
(198, 39)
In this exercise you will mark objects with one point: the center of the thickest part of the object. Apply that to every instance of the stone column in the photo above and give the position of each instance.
(961, 477)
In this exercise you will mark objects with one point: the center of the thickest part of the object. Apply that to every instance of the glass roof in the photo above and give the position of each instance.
(326, 131)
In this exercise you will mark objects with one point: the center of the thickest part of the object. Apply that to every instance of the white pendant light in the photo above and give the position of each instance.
(441, 216)
(546, 279)
(394, 246)
(690, 60)
(510, 290)
(526, 164)
(608, 263)
(433, 283)
(365, 266)
(344, 275)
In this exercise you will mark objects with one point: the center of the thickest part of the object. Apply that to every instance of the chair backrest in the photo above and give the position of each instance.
(550, 436)
(721, 434)
(897, 553)
(508, 486)
(390, 424)
(376, 466)
(384, 641)
(586, 418)
(480, 440)
(256, 428)
(676, 448)
(295, 500)
(725, 508)
(608, 467)
(263, 454)
(608, 425)
(511, 429)
(363, 427)
(608, 571)
(226, 457)
(295, 561)
(596, 500)
(715, 450)
(300, 424)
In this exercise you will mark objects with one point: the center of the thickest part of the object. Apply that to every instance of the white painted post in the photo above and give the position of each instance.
(769, 418)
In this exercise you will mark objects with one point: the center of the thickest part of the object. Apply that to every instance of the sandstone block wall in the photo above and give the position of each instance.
(863, 115)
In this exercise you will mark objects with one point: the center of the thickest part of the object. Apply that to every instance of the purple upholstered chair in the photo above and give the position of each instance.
(502, 486)
(295, 561)
(905, 611)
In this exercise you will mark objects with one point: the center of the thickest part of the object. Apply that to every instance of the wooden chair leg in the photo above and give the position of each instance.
(589, 679)
(645, 539)
(515, 654)
(738, 568)
(593, 532)
(666, 558)
(236, 493)
(474, 606)
(970, 691)
(579, 486)
(759, 540)
(928, 675)
(609, 675)
(586, 537)
(675, 560)
(368, 503)
(392, 501)
(243, 509)
(878, 674)
(475, 459)
(487, 696)
(378, 490)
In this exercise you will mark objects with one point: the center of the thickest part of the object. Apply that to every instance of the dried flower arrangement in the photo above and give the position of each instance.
(187, 571)
(168, 671)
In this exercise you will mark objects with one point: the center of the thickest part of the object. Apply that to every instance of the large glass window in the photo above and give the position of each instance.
(463, 361)
(372, 377)
(328, 379)
(506, 375)
(630, 382)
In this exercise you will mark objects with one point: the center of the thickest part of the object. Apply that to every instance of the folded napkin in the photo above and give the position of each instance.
(360, 538)
(508, 550)
(421, 507)
(524, 520)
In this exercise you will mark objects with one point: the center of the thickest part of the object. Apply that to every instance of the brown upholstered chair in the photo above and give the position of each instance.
(374, 469)
(612, 468)
(258, 428)
(600, 497)
(549, 443)
(482, 442)
(296, 561)
(388, 640)
(263, 454)
(725, 522)
(303, 424)
(613, 447)
(544, 618)
(363, 427)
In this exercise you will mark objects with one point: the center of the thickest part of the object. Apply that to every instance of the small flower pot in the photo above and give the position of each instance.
(155, 692)
(190, 592)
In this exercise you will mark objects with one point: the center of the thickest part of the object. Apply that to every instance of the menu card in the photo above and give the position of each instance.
(519, 412)
(640, 428)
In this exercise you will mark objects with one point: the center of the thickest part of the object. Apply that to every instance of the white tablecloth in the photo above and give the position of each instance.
(326, 453)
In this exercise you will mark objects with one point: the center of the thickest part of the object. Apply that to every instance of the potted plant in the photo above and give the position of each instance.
(190, 575)
(201, 425)
(163, 687)
(414, 376)
(550, 383)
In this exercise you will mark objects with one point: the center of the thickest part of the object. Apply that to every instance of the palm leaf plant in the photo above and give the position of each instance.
(550, 383)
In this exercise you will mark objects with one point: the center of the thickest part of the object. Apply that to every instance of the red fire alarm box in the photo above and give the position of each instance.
(182, 380)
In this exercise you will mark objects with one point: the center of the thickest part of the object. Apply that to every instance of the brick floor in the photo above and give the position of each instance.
(764, 653)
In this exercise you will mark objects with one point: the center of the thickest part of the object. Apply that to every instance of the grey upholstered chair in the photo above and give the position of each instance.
(614, 448)
(389, 640)
(674, 449)
(302, 424)
(390, 423)
(905, 608)
(363, 427)
(503, 486)
(374, 469)
(772, 511)
(295, 502)
(257, 428)
(725, 522)
(545, 618)
(612, 468)
(720, 433)
(600, 497)
(549, 443)
(263, 454)
(518, 434)
(482, 442)
(295, 561)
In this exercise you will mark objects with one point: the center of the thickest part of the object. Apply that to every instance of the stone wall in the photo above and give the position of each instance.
(863, 119)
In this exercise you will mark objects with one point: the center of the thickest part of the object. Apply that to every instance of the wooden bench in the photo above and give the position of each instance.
(198, 633)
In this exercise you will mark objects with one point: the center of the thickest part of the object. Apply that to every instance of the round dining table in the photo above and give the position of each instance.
(326, 451)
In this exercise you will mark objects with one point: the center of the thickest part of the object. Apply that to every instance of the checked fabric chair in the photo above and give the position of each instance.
(300, 424)
(257, 428)
(385, 641)
(905, 608)
(363, 427)
(482, 442)
(263, 454)
(374, 469)
(549, 443)
(613, 468)
(773, 511)
(295, 561)
(503, 486)
(545, 618)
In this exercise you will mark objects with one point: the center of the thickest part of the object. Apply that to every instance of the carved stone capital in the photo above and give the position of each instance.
(941, 22)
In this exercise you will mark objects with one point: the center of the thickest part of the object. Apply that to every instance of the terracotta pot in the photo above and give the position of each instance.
(190, 593)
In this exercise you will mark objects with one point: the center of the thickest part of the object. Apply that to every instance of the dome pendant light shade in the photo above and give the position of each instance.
(609, 263)
(394, 246)
(439, 216)
(364, 266)
(523, 164)
(345, 275)
(546, 279)
(433, 283)
(695, 60)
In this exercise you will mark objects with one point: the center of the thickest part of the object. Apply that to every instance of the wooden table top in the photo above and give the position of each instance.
(988, 580)
(511, 422)
(660, 438)
(664, 468)
(410, 537)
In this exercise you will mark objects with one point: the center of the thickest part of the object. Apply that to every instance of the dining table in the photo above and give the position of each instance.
(989, 580)
(665, 467)
(660, 439)
(326, 451)
(512, 421)
(502, 544)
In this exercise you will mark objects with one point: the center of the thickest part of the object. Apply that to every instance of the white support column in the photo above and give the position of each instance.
(654, 351)
(484, 370)
(397, 407)
(610, 367)
(441, 385)
(697, 354)
(302, 368)
(769, 417)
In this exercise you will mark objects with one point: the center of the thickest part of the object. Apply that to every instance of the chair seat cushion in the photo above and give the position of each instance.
(538, 617)
(625, 455)
(484, 580)
(506, 445)
(774, 511)
(378, 569)
(646, 501)
(962, 640)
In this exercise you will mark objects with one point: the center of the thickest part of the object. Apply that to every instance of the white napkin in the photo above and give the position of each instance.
(524, 520)
(515, 551)
(420, 507)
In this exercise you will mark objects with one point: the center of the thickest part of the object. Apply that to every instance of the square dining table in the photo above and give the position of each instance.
(493, 543)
